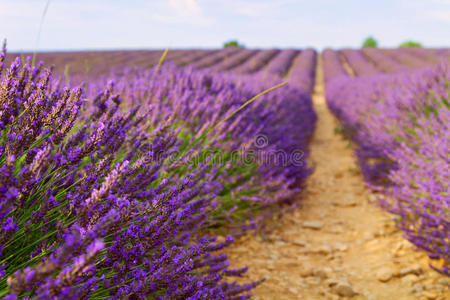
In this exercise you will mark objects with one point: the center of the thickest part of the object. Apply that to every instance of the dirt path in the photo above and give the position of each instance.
(339, 243)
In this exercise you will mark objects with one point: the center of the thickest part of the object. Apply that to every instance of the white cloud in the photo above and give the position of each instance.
(182, 12)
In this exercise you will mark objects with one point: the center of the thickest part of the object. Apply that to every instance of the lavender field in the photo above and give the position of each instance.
(127, 174)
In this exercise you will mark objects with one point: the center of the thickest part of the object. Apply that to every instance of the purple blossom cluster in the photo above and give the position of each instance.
(106, 191)
(400, 125)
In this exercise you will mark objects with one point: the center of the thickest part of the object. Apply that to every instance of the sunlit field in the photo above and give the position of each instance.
(228, 172)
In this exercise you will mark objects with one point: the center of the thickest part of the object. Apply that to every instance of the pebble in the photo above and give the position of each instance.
(321, 250)
(274, 256)
(436, 287)
(443, 281)
(299, 243)
(340, 247)
(330, 282)
(346, 203)
(344, 289)
(384, 275)
(322, 273)
(416, 288)
(336, 230)
(306, 271)
(316, 225)
(410, 270)
(410, 279)
(279, 243)
(270, 266)
(322, 291)
(429, 295)
(372, 198)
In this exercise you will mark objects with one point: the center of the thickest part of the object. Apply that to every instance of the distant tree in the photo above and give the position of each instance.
(370, 42)
(232, 43)
(410, 44)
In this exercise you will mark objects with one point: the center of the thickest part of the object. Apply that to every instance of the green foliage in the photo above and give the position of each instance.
(410, 44)
(232, 43)
(229, 165)
(370, 42)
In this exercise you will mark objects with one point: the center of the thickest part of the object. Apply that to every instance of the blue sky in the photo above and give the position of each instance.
(114, 24)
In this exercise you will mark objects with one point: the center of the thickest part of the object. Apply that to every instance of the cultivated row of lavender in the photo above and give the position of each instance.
(216, 58)
(385, 62)
(234, 61)
(359, 63)
(256, 62)
(109, 192)
(280, 64)
(94, 63)
(190, 57)
(405, 57)
(82, 216)
(195, 101)
(400, 125)
(303, 69)
(332, 64)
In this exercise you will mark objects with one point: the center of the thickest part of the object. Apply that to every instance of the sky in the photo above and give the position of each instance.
(148, 24)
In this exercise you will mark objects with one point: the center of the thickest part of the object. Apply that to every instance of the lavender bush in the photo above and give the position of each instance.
(110, 191)
(399, 124)
(303, 70)
(276, 139)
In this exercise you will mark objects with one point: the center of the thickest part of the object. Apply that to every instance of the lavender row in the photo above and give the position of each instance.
(302, 71)
(384, 62)
(359, 63)
(83, 216)
(195, 95)
(216, 58)
(404, 57)
(256, 62)
(281, 63)
(190, 57)
(332, 64)
(104, 192)
(400, 125)
(234, 61)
